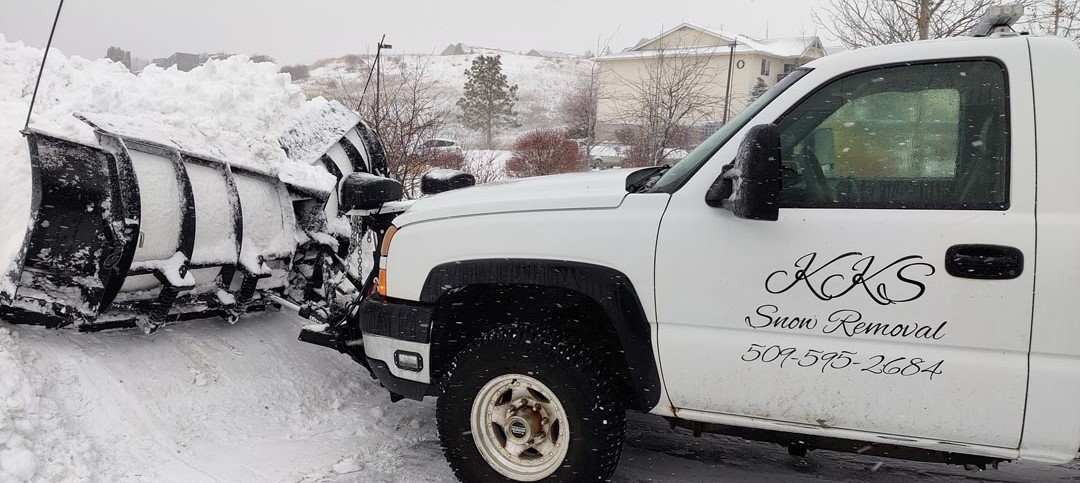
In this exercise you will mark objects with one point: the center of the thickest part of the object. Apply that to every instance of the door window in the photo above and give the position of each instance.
(926, 136)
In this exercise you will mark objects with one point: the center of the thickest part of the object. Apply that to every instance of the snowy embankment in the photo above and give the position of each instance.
(204, 401)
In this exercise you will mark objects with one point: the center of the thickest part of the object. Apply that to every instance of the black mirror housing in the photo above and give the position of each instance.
(440, 180)
(365, 191)
(750, 186)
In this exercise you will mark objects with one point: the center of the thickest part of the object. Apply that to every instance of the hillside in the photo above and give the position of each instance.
(542, 83)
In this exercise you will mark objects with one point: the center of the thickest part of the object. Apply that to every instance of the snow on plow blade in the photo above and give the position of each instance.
(136, 232)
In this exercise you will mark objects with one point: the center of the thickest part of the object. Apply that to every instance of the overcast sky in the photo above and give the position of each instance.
(294, 31)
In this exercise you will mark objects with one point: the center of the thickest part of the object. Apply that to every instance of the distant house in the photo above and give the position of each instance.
(187, 62)
(463, 49)
(138, 64)
(454, 49)
(551, 54)
(183, 61)
(756, 64)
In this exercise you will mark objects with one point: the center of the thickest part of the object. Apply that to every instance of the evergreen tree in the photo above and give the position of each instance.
(488, 102)
(759, 88)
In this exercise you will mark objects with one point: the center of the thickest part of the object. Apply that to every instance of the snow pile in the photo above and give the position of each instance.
(232, 110)
(35, 443)
(18, 67)
(213, 402)
(316, 130)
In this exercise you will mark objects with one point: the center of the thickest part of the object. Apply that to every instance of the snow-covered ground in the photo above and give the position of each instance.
(205, 401)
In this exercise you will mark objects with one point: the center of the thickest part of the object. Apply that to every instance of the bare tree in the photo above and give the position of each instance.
(1055, 17)
(578, 108)
(486, 165)
(672, 91)
(862, 23)
(411, 110)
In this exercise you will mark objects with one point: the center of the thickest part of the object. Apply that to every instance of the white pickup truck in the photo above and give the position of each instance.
(881, 254)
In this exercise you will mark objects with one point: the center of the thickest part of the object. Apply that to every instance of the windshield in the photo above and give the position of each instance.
(678, 174)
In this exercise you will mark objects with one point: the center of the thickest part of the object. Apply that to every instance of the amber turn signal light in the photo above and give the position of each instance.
(382, 282)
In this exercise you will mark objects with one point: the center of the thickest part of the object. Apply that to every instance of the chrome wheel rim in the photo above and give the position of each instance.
(520, 427)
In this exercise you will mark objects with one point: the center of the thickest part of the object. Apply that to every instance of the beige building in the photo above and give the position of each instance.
(691, 51)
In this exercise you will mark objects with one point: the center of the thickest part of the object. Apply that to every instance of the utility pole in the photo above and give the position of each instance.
(730, 66)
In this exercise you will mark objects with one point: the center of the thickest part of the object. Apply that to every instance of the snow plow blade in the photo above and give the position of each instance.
(134, 232)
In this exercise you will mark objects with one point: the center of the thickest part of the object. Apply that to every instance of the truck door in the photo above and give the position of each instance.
(894, 293)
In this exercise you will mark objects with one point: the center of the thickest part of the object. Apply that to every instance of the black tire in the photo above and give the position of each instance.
(591, 398)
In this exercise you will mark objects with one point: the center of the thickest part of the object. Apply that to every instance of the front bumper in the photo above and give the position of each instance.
(393, 328)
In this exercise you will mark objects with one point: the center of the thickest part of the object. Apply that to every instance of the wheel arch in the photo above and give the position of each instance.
(543, 283)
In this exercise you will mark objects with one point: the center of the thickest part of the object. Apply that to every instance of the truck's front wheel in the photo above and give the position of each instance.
(524, 403)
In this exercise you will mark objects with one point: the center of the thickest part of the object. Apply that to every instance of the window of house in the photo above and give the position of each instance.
(708, 128)
(927, 136)
(788, 68)
(766, 65)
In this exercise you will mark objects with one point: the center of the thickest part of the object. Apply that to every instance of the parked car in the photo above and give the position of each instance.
(440, 145)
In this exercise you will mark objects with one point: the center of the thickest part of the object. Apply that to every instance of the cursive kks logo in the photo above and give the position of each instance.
(885, 284)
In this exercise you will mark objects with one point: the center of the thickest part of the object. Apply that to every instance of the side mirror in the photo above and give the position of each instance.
(442, 179)
(365, 191)
(750, 186)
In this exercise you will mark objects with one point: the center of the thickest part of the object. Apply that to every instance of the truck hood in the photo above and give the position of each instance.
(604, 189)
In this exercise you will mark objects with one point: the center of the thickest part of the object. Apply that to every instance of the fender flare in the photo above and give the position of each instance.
(609, 288)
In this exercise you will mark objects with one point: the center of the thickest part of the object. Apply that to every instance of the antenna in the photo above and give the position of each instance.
(41, 70)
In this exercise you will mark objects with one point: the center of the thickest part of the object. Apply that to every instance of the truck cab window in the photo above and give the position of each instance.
(926, 136)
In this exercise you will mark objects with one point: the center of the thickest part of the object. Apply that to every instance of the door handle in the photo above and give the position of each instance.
(985, 262)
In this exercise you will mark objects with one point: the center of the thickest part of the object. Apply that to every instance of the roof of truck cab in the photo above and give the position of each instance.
(911, 51)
